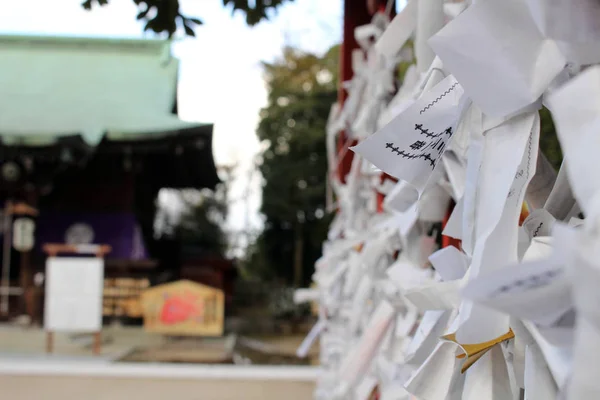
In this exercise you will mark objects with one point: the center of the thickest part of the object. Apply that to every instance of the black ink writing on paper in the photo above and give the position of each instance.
(529, 282)
(429, 148)
(440, 97)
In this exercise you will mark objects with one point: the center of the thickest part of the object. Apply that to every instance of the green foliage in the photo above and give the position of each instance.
(404, 65)
(202, 221)
(164, 16)
(549, 144)
(255, 10)
(302, 88)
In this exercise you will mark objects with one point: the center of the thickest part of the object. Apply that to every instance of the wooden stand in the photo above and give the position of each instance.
(96, 349)
(53, 250)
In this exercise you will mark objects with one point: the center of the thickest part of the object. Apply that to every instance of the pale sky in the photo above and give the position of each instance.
(220, 75)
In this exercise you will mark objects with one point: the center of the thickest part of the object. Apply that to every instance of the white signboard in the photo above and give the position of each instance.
(23, 229)
(73, 301)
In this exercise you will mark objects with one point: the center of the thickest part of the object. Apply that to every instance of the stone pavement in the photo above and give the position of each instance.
(26, 372)
(29, 377)
(117, 341)
(89, 388)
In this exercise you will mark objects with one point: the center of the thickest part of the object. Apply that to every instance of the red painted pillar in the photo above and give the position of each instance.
(380, 196)
(447, 240)
(356, 13)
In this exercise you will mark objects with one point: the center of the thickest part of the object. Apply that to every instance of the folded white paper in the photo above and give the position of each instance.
(398, 31)
(403, 99)
(457, 173)
(561, 200)
(305, 295)
(469, 201)
(359, 359)
(539, 223)
(584, 383)
(406, 275)
(355, 273)
(365, 34)
(410, 146)
(359, 302)
(450, 263)
(497, 53)
(433, 204)
(488, 378)
(308, 341)
(573, 24)
(382, 307)
(395, 391)
(432, 326)
(537, 291)
(570, 20)
(435, 296)
(401, 198)
(435, 377)
(499, 199)
(558, 359)
(454, 226)
(365, 388)
(575, 109)
(541, 185)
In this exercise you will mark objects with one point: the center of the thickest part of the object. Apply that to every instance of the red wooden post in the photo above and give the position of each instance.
(355, 14)
(447, 240)
(380, 196)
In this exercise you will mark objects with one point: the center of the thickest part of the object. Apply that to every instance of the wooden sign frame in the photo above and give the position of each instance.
(99, 251)
(184, 308)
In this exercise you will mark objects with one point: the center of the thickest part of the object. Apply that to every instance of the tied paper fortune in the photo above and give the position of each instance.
(499, 56)
(412, 144)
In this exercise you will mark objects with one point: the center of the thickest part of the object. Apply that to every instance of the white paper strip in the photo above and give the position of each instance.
(410, 146)
(398, 31)
(359, 359)
(308, 341)
(539, 383)
(499, 40)
(450, 263)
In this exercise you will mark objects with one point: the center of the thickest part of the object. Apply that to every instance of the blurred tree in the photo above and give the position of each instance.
(409, 47)
(302, 88)
(164, 16)
(200, 226)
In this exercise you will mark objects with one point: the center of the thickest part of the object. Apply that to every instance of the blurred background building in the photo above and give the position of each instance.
(90, 135)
